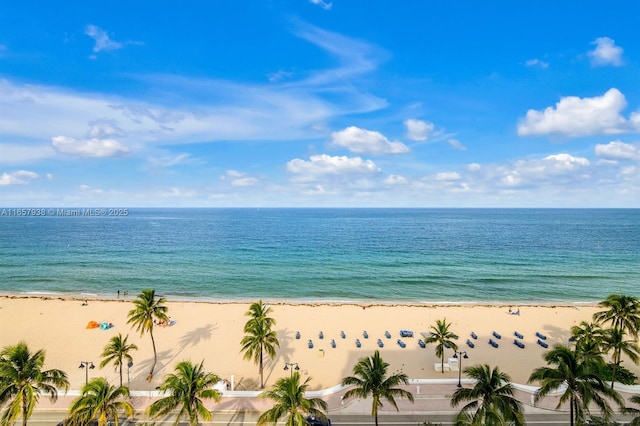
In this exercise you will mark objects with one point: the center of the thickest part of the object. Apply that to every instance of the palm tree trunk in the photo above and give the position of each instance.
(261, 371)
(442, 363)
(155, 356)
(613, 374)
(24, 410)
(571, 403)
(120, 373)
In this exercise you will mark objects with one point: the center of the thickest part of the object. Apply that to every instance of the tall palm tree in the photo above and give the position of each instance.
(188, 387)
(101, 402)
(370, 379)
(582, 385)
(443, 337)
(116, 351)
(623, 312)
(491, 399)
(147, 310)
(23, 380)
(614, 340)
(290, 402)
(259, 337)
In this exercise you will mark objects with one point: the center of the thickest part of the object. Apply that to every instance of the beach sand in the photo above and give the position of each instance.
(212, 332)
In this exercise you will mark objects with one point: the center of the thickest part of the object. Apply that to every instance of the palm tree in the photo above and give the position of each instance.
(23, 380)
(587, 332)
(370, 379)
(259, 337)
(101, 402)
(614, 339)
(116, 351)
(441, 335)
(147, 310)
(290, 402)
(491, 399)
(188, 387)
(259, 312)
(623, 312)
(582, 385)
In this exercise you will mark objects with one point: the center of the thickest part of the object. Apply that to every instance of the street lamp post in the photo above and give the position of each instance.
(292, 366)
(86, 365)
(459, 355)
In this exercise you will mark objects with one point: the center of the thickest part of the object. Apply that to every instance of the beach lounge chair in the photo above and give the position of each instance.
(470, 344)
(333, 343)
(365, 334)
(518, 335)
(297, 335)
(387, 334)
(422, 343)
(343, 335)
(358, 344)
(406, 333)
(496, 335)
(541, 336)
(543, 344)
(321, 335)
(310, 344)
(518, 343)
(474, 336)
(448, 346)
(493, 343)
(380, 344)
(402, 344)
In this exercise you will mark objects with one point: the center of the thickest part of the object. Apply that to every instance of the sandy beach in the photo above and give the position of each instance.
(212, 332)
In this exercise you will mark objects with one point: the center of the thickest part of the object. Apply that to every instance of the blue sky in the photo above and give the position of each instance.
(317, 103)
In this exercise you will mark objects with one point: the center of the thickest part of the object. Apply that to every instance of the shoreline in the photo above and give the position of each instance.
(293, 301)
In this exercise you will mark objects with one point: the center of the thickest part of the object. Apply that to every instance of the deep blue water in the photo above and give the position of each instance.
(417, 255)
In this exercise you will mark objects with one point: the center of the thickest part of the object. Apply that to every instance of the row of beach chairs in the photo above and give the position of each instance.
(403, 333)
(541, 340)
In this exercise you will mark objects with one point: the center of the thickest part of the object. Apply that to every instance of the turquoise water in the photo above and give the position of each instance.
(408, 255)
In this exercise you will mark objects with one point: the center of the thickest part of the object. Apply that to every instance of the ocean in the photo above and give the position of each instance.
(375, 255)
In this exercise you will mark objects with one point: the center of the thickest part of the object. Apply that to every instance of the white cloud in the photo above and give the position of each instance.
(89, 147)
(418, 130)
(456, 144)
(617, 150)
(322, 166)
(361, 141)
(326, 5)
(574, 116)
(473, 167)
(537, 63)
(239, 179)
(103, 42)
(19, 177)
(605, 53)
(395, 180)
(448, 176)
(172, 160)
(565, 162)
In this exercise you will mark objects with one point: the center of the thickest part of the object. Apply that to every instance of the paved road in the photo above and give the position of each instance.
(51, 418)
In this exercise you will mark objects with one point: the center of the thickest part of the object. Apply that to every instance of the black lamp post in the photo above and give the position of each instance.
(86, 365)
(463, 354)
(292, 366)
